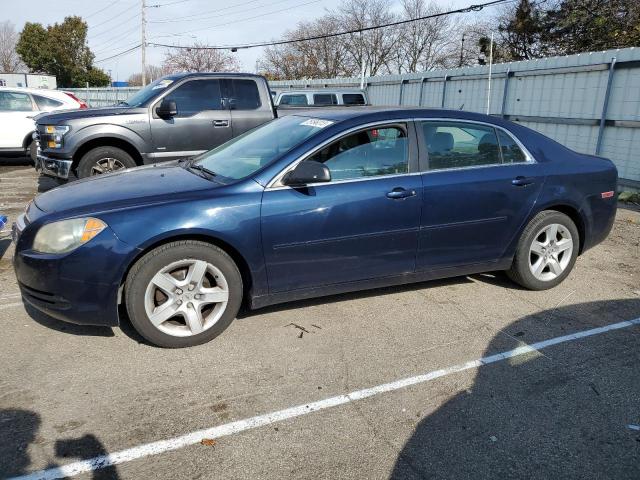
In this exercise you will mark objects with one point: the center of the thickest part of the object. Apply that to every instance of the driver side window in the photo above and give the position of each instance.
(367, 153)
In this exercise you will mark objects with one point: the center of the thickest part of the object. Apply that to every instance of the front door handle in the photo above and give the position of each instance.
(521, 181)
(221, 123)
(399, 193)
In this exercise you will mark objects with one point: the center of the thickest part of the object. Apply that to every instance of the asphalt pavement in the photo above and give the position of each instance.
(404, 382)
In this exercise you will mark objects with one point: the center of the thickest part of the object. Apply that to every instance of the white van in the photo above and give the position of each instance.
(321, 98)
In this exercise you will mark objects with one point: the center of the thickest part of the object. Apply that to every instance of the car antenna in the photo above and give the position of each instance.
(461, 107)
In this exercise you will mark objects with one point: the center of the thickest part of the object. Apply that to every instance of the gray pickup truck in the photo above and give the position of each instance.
(174, 117)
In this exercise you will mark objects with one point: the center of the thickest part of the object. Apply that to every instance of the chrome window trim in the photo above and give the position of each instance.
(530, 159)
(275, 183)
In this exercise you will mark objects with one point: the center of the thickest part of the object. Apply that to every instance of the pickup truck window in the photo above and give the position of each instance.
(245, 94)
(196, 96)
(353, 99)
(299, 99)
(256, 148)
(325, 99)
(151, 91)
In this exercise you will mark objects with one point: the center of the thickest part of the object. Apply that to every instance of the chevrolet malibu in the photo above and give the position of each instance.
(306, 206)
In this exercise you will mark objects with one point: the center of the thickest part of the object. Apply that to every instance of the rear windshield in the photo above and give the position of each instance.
(257, 148)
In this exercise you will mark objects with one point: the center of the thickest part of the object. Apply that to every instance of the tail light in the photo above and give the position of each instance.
(82, 104)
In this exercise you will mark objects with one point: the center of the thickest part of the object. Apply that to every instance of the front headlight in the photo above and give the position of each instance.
(55, 135)
(66, 235)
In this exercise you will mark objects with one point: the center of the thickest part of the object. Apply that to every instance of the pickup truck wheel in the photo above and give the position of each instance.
(183, 293)
(104, 160)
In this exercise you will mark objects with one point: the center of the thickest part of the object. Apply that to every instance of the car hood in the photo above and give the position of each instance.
(57, 117)
(134, 187)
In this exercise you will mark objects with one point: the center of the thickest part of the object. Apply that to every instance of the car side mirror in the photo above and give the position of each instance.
(307, 172)
(167, 109)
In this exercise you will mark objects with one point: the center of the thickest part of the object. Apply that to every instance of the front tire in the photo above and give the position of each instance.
(101, 160)
(546, 252)
(183, 293)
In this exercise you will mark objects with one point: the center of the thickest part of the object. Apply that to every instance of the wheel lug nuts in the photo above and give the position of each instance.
(190, 305)
(179, 302)
(197, 296)
(179, 292)
(191, 287)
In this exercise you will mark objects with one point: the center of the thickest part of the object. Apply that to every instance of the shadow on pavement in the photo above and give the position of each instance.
(71, 328)
(570, 411)
(19, 429)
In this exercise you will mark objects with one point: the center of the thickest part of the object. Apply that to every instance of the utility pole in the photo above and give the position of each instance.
(489, 81)
(462, 51)
(144, 44)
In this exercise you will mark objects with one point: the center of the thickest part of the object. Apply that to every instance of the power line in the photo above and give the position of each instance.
(112, 18)
(198, 15)
(470, 8)
(110, 31)
(167, 4)
(118, 54)
(245, 19)
(102, 9)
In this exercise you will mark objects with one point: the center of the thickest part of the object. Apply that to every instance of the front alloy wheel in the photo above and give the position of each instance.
(186, 297)
(183, 293)
(106, 165)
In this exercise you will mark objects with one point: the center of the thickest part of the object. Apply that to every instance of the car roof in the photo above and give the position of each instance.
(45, 92)
(180, 76)
(364, 113)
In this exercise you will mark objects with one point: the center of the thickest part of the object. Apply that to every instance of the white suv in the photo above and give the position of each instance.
(18, 106)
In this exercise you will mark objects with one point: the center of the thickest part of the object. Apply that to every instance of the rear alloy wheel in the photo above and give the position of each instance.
(104, 160)
(183, 293)
(546, 252)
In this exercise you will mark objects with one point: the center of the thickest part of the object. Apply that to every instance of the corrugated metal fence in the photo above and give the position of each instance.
(588, 102)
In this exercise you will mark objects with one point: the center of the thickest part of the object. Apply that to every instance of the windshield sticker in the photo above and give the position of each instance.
(317, 123)
(163, 84)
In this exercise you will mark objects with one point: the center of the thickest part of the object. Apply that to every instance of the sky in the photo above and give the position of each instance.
(115, 25)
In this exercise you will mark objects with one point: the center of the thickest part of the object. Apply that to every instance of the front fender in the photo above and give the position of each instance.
(81, 137)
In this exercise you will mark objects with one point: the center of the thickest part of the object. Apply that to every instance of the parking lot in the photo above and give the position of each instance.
(470, 377)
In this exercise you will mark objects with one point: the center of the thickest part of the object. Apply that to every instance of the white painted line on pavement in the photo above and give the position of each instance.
(193, 438)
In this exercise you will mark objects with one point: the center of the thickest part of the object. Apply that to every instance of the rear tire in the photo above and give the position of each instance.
(101, 160)
(546, 252)
(183, 293)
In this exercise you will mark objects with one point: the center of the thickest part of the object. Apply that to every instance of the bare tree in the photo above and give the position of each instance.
(425, 44)
(320, 58)
(374, 48)
(199, 59)
(153, 72)
(10, 61)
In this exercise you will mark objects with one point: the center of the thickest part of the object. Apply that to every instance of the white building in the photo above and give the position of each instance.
(32, 80)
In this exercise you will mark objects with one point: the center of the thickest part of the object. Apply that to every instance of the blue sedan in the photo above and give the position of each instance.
(310, 205)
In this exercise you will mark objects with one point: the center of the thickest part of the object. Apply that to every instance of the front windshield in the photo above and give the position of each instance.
(253, 150)
(152, 90)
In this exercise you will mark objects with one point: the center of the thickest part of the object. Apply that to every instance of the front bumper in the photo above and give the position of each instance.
(79, 287)
(52, 167)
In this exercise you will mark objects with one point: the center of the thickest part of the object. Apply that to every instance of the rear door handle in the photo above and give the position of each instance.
(521, 181)
(221, 123)
(399, 192)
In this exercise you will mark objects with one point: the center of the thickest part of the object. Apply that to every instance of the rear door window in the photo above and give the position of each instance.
(45, 103)
(244, 93)
(511, 152)
(197, 96)
(325, 99)
(298, 99)
(353, 99)
(459, 144)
